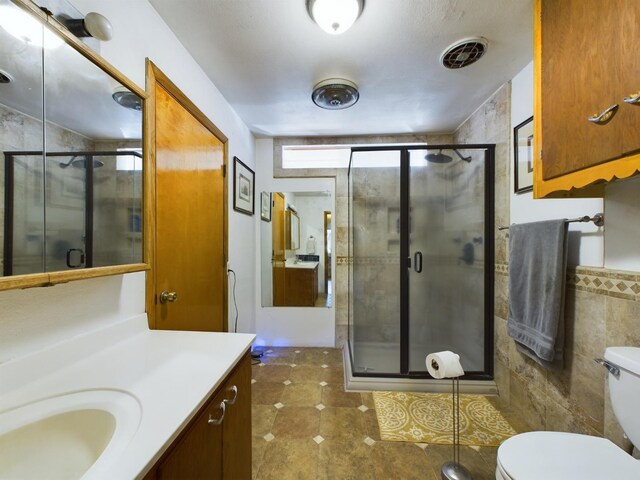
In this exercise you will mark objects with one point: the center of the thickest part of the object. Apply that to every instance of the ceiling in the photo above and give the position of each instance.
(265, 56)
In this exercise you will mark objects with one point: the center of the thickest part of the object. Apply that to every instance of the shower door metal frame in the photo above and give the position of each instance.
(405, 259)
(88, 194)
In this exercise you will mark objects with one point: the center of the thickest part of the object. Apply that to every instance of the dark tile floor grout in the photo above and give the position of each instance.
(305, 426)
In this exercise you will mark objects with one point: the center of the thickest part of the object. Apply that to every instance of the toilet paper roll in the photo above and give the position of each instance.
(444, 365)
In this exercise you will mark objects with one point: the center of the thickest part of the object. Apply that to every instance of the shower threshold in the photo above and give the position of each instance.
(369, 384)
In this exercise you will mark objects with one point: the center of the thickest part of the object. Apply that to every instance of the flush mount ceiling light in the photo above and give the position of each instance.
(335, 94)
(126, 98)
(464, 52)
(335, 16)
(92, 25)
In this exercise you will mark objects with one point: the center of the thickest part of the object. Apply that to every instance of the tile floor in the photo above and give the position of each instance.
(305, 426)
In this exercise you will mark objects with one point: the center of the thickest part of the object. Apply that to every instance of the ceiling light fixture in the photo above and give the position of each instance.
(335, 94)
(335, 16)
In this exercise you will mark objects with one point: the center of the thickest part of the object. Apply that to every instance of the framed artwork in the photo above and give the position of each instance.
(265, 206)
(243, 187)
(523, 156)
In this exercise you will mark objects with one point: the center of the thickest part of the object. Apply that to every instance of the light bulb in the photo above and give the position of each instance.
(335, 16)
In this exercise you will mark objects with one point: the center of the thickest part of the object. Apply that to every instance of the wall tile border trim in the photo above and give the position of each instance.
(613, 283)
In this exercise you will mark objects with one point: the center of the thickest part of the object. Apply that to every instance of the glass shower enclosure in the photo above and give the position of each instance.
(421, 258)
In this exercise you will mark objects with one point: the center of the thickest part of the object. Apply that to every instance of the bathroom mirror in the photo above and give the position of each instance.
(72, 156)
(292, 227)
(296, 250)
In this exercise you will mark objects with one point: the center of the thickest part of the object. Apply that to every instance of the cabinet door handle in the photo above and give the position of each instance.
(633, 99)
(605, 116)
(218, 421)
(231, 401)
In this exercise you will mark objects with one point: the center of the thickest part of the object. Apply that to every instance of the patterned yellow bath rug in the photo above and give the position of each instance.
(427, 418)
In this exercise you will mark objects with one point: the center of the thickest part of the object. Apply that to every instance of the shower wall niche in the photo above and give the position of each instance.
(421, 258)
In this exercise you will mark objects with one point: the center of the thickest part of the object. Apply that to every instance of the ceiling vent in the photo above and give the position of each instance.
(464, 52)
(335, 94)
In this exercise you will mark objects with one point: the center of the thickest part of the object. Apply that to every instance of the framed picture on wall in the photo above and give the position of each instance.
(243, 187)
(523, 156)
(265, 206)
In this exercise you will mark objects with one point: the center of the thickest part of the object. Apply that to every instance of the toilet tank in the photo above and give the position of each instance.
(624, 389)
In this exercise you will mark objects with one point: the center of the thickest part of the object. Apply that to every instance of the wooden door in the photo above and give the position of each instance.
(579, 75)
(190, 211)
(278, 258)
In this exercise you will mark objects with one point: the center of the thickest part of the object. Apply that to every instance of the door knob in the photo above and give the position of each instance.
(168, 297)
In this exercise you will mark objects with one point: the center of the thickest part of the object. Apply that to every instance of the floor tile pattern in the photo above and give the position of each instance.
(305, 426)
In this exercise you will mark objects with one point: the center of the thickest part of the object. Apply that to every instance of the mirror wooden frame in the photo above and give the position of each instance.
(52, 278)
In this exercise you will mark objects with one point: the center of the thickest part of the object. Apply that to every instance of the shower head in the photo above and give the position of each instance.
(443, 158)
(466, 159)
(437, 157)
(80, 162)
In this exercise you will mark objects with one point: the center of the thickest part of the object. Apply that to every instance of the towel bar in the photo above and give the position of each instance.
(597, 219)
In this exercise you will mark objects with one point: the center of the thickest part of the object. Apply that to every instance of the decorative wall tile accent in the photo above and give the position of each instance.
(602, 281)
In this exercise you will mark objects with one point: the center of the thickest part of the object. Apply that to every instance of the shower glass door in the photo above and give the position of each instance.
(446, 295)
(65, 212)
(421, 256)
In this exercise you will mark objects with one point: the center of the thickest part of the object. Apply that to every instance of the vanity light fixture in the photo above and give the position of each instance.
(335, 16)
(335, 94)
(92, 25)
(27, 29)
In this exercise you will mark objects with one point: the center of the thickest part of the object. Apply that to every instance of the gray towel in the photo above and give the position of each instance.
(537, 272)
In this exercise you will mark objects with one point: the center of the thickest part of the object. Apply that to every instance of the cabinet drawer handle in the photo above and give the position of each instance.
(218, 421)
(633, 99)
(231, 401)
(605, 116)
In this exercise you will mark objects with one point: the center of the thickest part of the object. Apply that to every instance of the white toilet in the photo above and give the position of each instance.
(568, 456)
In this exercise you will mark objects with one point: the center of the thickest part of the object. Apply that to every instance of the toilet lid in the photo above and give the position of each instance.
(558, 455)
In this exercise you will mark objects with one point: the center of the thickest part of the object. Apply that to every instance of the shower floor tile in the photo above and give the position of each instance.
(351, 447)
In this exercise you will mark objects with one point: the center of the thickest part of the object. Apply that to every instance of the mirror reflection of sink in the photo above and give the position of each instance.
(63, 437)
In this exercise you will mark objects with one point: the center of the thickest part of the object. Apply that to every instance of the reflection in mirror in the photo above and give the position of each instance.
(296, 251)
(72, 186)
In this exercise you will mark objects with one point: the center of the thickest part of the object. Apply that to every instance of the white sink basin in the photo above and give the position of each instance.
(69, 436)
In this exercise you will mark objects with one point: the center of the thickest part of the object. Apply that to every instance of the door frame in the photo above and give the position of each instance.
(489, 255)
(155, 77)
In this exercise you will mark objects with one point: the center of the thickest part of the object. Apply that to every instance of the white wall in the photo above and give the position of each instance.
(33, 318)
(283, 326)
(586, 241)
(622, 234)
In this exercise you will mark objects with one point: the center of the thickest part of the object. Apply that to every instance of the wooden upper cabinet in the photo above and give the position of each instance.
(584, 63)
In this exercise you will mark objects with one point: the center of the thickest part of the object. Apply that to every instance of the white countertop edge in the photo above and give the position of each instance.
(306, 265)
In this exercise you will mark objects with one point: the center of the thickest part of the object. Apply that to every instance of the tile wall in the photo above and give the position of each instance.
(602, 309)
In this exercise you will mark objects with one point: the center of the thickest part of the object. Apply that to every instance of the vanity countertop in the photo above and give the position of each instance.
(170, 374)
(309, 265)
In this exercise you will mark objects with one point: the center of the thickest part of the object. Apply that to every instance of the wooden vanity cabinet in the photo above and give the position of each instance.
(584, 63)
(209, 450)
(301, 287)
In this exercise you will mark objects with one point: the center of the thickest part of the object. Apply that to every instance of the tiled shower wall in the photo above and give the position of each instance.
(602, 309)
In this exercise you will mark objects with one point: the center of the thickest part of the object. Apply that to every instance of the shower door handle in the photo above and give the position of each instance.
(417, 262)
